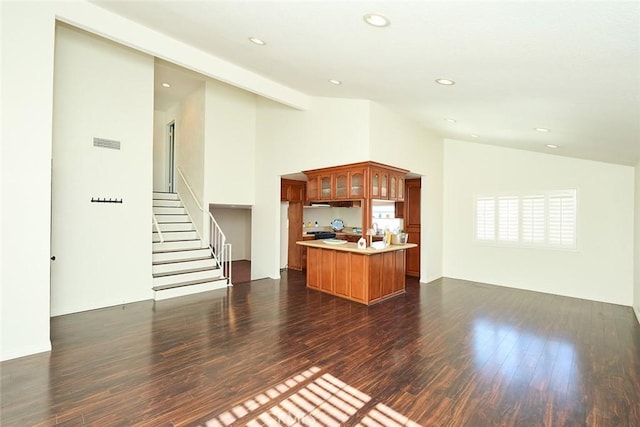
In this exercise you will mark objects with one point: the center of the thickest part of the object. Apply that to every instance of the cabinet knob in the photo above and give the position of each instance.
(53, 258)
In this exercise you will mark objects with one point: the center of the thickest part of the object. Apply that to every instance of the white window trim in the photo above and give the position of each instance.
(520, 242)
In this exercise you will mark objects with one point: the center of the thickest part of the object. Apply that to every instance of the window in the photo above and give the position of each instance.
(542, 219)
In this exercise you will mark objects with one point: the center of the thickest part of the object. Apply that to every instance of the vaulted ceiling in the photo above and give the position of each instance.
(570, 67)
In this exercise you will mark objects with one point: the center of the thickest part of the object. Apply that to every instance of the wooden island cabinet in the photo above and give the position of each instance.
(366, 276)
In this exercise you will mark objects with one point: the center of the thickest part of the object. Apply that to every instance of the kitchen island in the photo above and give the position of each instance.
(366, 275)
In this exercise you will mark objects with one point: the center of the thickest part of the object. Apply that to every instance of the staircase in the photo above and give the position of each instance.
(182, 263)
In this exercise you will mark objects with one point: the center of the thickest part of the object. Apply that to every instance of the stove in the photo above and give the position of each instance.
(318, 235)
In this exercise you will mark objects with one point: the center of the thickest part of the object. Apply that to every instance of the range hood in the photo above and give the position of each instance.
(336, 204)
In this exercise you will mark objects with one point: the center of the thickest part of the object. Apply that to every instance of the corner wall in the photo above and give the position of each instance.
(27, 91)
(398, 141)
(602, 267)
(332, 132)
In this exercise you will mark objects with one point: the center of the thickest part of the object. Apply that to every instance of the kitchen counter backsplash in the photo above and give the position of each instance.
(351, 217)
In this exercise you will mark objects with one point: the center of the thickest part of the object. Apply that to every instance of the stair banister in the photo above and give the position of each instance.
(220, 249)
(155, 224)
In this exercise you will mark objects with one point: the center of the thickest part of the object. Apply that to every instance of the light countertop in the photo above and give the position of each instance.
(353, 247)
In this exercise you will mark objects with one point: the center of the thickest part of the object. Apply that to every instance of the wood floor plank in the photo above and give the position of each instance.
(448, 353)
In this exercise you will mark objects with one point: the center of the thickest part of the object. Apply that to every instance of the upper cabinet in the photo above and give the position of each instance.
(292, 191)
(365, 180)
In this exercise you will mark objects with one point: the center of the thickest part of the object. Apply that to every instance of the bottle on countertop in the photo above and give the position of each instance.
(316, 223)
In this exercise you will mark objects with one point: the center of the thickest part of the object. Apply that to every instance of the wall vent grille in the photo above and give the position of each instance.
(106, 143)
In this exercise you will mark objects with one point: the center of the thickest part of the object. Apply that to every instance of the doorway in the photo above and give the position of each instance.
(171, 129)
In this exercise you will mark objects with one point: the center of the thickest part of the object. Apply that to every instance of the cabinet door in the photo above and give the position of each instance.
(295, 234)
(342, 185)
(342, 273)
(359, 277)
(325, 186)
(296, 193)
(312, 188)
(393, 187)
(327, 263)
(356, 184)
(285, 191)
(313, 271)
(400, 192)
(384, 185)
(375, 184)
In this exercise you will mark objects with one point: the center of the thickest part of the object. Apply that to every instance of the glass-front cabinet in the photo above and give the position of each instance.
(325, 182)
(356, 187)
(342, 185)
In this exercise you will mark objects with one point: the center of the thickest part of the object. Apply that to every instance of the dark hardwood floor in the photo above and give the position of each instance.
(269, 352)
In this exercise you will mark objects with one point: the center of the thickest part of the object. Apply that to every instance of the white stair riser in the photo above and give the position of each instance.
(185, 277)
(171, 236)
(171, 246)
(174, 226)
(165, 196)
(169, 203)
(166, 210)
(189, 290)
(183, 265)
(172, 218)
(177, 256)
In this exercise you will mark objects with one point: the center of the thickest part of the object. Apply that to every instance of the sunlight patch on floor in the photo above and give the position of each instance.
(311, 399)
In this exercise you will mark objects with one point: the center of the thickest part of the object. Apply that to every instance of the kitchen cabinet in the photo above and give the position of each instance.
(365, 276)
(326, 187)
(341, 180)
(380, 184)
(292, 191)
(412, 225)
(356, 182)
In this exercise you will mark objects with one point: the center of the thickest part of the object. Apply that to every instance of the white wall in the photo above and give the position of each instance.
(160, 152)
(230, 134)
(27, 91)
(602, 267)
(236, 225)
(189, 152)
(332, 132)
(103, 251)
(399, 141)
(636, 257)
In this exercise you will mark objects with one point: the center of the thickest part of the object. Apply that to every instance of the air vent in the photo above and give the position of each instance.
(106, 143)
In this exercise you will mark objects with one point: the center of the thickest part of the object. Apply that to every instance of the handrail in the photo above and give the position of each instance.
(155, 223)
(220, 249)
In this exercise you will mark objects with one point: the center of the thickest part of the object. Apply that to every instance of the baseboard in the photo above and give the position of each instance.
(636, 310)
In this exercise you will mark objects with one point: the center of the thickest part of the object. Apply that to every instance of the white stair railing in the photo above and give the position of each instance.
(220, 249)
(157, 227)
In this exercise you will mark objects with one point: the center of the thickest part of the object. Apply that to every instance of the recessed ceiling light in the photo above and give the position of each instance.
(542, 129)
(257, 41)
(473, 135)
(554, 146)
(376, 20)
(445, 82)
(451, 120)
(166, 85)
(335, 82)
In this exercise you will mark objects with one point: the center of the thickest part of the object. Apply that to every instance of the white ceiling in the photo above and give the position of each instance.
(572, 67)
